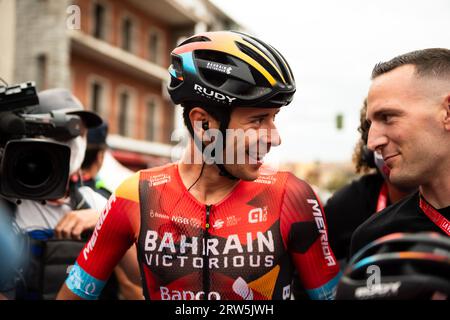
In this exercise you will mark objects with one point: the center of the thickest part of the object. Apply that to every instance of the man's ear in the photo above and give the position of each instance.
(447, 113)
(100, 158)
(199, 117)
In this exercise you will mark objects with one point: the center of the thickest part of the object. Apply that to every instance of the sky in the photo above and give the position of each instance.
(332, 46)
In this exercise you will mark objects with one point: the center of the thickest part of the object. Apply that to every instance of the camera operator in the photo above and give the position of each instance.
(52, 214)
(53, 225)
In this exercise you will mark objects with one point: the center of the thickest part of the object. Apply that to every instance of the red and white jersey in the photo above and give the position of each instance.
(244, 247)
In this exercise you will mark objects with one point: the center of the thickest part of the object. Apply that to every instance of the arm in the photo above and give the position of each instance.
(66, 294)
(129, 265)
(304, 230)
(128, 289)
(74, 223)
(114, 234)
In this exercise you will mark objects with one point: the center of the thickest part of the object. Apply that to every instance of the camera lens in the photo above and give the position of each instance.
(33, 168)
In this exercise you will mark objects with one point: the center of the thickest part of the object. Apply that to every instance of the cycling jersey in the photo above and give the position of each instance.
(244, 247)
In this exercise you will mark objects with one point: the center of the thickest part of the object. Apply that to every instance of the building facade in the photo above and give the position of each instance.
(114, 55)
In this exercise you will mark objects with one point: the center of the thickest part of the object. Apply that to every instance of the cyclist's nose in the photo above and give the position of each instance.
(272, 136)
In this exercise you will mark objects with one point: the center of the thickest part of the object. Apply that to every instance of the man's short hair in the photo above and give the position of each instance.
(433, 62)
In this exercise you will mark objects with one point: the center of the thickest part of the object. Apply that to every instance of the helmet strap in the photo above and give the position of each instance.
(224, 120)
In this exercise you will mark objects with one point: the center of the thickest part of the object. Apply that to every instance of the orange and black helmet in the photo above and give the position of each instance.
(399, 266)
(229, 69)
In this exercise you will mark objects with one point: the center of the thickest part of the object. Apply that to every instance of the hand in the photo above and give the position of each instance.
(73, 224)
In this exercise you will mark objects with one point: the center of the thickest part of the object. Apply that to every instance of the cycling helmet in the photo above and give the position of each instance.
(228, 68)
(399, 266)
(220, 70)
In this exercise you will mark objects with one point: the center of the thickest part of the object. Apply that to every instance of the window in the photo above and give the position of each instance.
(124, 105)
(126, 111)
(153, 127)
(127, 34)
(97, 92)
(41, 72)
(154, 46)
(99, 14)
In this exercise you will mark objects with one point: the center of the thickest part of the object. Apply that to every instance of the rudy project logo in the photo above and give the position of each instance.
(211, 94)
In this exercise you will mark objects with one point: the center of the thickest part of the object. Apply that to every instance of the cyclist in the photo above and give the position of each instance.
(218, 228)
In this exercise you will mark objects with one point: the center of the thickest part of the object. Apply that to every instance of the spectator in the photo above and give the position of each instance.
(93, 160)
(56, 227)
(408, 109)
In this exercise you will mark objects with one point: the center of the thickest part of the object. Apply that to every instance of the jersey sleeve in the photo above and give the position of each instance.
(304, 229)
(113, 235)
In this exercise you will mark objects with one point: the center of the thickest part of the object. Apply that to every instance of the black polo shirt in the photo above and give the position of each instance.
(348, 208)
(403, 216)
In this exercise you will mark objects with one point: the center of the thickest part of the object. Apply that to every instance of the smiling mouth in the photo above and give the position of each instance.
(257, 158)
(390, 157)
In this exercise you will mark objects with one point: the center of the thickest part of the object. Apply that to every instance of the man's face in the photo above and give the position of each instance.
(406, 127)
(253, 134)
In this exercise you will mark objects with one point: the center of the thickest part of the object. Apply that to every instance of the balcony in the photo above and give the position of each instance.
(115, 57)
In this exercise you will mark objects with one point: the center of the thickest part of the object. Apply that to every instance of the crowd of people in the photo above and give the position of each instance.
(219, 224)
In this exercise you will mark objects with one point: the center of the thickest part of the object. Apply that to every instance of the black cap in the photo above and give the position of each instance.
(97, 136)
(60, 99)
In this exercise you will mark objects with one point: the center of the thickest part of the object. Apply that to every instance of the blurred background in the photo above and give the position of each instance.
(113, 54)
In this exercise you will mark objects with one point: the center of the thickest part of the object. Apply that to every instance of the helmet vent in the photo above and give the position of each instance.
(194, 39)
(258, 58)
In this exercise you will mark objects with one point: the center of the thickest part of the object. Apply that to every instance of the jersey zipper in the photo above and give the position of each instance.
(206, 280)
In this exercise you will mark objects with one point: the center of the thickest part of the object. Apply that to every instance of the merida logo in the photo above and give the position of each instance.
(209, 93)
(320, 222)
(90, 245)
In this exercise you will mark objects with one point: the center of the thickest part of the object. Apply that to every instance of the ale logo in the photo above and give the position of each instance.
(257, 215)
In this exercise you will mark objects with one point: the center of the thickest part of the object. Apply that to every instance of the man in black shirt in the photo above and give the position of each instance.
(409, 116)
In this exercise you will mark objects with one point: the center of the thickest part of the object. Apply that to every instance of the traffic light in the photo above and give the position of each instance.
(339, 121)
